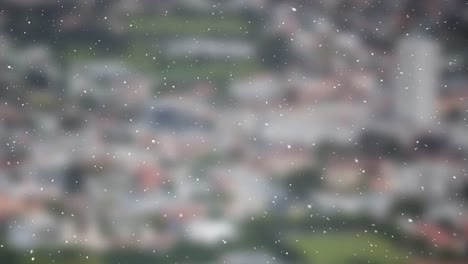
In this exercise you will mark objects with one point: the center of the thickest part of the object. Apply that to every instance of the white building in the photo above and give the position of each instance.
(307, 125)
(211, 48)
(417, 80)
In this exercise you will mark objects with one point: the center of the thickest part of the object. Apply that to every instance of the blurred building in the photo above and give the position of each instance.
(417, 79)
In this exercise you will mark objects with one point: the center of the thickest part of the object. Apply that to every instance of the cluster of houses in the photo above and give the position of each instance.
(158, 167)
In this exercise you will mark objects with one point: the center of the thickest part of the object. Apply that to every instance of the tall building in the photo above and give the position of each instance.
(417, 80)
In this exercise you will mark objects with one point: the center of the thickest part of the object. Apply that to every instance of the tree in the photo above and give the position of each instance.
(409, 206)
(300, 182)
(274, 52)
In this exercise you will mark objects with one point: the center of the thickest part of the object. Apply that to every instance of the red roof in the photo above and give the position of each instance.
(437, 235)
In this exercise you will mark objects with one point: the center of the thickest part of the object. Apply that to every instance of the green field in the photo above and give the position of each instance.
(347, 248)
(189, 69)
(198, 25)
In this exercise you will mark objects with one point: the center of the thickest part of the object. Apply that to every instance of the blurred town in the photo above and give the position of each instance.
(234, 132)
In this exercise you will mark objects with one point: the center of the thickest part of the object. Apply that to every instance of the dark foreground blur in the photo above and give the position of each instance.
(233, 132)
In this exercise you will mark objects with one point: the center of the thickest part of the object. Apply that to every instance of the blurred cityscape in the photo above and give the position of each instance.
(233, 131)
